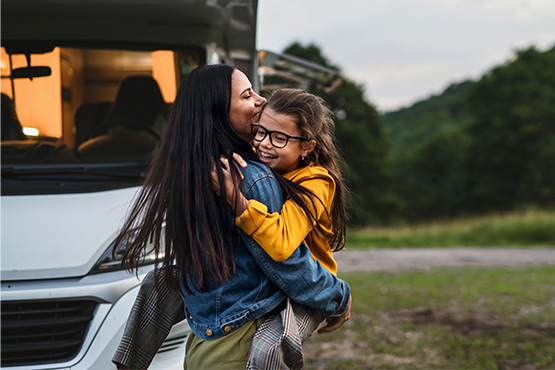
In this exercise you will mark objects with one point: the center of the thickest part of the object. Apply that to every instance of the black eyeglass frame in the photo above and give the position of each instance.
(269, 132)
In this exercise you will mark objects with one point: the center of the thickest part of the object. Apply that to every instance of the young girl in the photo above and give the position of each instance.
(294, 137)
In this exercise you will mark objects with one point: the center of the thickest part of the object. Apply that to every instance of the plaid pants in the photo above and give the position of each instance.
(278, 342)
(156, 309)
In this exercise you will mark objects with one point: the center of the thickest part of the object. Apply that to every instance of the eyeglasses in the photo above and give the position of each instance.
(278, 139)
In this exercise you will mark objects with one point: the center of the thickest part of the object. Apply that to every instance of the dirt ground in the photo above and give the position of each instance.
(397, 260)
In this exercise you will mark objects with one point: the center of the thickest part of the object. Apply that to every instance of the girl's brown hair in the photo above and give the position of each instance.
(315, 120)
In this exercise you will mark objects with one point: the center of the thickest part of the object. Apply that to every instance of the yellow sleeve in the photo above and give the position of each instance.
(280, 234)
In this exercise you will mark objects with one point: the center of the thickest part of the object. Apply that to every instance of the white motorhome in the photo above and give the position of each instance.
(86, 87)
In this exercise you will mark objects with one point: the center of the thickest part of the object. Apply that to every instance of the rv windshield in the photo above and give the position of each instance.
(76, 119)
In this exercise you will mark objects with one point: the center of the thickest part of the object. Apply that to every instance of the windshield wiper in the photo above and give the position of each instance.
(92, 172)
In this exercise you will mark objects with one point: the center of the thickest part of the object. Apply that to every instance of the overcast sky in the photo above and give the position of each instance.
(403, 51)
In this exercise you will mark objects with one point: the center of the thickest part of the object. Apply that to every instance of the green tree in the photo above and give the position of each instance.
(408, 128)
(430, 177)
(479, 146)
(428, 149)
(512, 157)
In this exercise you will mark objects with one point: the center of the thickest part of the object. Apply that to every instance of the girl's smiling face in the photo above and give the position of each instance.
(284, 159)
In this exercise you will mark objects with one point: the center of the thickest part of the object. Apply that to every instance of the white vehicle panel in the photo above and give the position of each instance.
(72, 230)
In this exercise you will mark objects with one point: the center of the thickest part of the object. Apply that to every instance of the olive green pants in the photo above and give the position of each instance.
(228, 352)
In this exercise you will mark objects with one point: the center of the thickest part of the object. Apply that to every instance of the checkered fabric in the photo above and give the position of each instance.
(156, 309)
(278, 342)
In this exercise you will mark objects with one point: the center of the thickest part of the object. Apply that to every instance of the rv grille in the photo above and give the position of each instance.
(42, 332)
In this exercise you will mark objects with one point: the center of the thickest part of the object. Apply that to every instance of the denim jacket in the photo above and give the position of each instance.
(260, 283)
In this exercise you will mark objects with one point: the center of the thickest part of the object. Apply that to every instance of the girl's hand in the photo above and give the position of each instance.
(234, 197)
(334, 322)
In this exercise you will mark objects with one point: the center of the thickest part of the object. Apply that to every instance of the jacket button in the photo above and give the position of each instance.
(227, 328)
(190, 317)
(209, 332)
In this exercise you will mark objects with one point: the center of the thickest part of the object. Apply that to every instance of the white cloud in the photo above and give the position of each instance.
(405, 50)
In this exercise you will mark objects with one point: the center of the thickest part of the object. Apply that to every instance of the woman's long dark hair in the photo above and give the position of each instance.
(176, 215)
(177, 196)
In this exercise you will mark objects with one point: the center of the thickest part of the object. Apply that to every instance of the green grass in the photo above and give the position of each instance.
(465, 318)
(526, 228)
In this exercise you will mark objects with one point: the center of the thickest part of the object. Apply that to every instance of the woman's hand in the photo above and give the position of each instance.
(334, 322)
(234, 197)
(239, 160)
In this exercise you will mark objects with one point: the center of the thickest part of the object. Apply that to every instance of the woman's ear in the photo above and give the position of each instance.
(308, 147)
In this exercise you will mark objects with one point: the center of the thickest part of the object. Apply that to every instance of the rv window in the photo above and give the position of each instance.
(96, 106)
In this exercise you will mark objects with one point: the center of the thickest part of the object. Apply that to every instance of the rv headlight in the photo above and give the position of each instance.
(112, 262)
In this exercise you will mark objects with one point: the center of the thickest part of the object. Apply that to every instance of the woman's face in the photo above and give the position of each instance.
(244, 106)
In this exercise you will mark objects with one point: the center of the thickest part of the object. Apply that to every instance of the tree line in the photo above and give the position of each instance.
(480, 146)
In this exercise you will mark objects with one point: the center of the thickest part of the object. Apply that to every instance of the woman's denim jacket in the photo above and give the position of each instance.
(260, 283)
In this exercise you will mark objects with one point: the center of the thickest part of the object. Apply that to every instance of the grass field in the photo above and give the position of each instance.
(464, 318)
(448, 318)
(527, 228)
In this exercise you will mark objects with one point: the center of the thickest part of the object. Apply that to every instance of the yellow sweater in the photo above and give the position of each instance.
(280, 234)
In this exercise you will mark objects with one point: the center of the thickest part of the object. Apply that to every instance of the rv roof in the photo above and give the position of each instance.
(231, 24)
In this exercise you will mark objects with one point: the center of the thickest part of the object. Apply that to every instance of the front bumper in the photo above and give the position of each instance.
(110, 295)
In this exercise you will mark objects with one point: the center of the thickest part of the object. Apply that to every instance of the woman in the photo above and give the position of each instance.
(228, 283)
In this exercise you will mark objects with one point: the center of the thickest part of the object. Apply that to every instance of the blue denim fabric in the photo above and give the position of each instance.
(261, 283)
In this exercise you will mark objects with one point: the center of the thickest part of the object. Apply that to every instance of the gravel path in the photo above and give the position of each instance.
(396, 260)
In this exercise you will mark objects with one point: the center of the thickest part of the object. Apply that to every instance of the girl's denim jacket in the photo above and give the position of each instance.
(260, 283)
